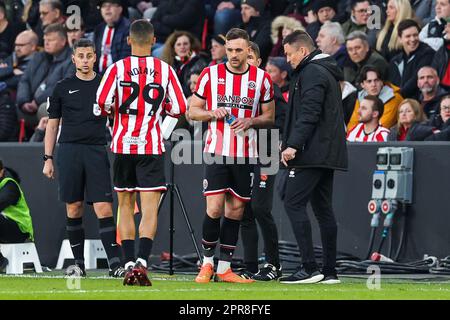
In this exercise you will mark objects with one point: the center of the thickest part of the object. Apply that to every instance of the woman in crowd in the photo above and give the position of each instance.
(409, 123)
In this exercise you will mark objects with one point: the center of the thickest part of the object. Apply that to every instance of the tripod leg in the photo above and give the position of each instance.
(188, 223)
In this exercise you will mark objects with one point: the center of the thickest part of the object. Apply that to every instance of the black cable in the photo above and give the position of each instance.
(390, 243)
(371, 241)
(402, 233)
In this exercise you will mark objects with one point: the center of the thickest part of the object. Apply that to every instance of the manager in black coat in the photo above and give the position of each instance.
(313, 147)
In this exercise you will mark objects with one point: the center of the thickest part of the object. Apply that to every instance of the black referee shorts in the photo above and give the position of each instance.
(139, 172)
(83, 169)
(236, 179)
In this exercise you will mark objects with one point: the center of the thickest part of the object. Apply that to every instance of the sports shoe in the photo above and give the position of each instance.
(302, 277)
(245, 274)
(140, 273)
(3, 263)
(230, 276)
(75, 270)
(129, 278)
(330, 279)
(118, 272)
(205, 274)
(267, 273)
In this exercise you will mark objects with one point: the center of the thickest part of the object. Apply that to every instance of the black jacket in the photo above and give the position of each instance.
(171, 15)
(444, 127)
(440, 62)
(119, 46)
(403, 69)
(259, 30)
(7, 73)
(184, 71)
(314, 123)
(417, 132)
(430, 108)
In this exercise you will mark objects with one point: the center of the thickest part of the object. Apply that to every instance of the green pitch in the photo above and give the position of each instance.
(179, 287)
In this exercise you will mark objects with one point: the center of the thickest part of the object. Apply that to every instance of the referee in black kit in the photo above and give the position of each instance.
(313, 147)
(83, 164)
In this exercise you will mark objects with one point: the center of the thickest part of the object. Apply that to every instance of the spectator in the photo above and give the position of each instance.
(39, 132)
(374, 86)
(359, 17)
(440, 61)
(9, 126)
(218, 51)
(171, 15)
(26, 12)
(181, 51)
(13, 67)
(50, 12)
(279, 69)
(227, 15)
(430, 91)
(349, 96)
(74, 34)
(331, 41)
(325, 10)
(415, 54)
(409, 123)
(257, 23)
(424, 10)
(15, 220)
(441, 122)
(432, 33)
(43, 72)
(361, 55)
(388, 43)
(369, 128)
(8, 33)
(110, 36)
(281, 27)
(145, 9)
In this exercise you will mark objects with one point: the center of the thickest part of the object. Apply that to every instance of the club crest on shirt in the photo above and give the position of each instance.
(252, 85)
(96, 109)
(205, 184)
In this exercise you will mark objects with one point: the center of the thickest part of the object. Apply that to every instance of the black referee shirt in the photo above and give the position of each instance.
(74, 100)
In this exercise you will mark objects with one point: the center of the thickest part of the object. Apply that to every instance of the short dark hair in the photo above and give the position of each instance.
(365, 70)
(83, 43)
(142, 30)
(300, 37)
(406, 24)
(353, 3)
(378, 104)
(236, 33)
(57, 28)
(255, 48)
(55, 4)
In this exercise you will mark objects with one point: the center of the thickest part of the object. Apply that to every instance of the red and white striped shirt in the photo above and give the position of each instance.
(105, 56)
(357, 134)
(242, 95)
(139, 88)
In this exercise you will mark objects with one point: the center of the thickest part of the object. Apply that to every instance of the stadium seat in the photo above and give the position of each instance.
(18, 254)
(93, 250)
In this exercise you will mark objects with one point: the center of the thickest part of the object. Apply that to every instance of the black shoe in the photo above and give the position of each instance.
(330, 279)
(245, 274)
(118, 272)
(3, 263)
(268, 272)
(76, 270)
(301, 276)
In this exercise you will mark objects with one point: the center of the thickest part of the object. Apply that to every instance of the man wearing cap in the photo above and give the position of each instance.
(257, 23)
(110, 36)
(325, 10)
(279, 69)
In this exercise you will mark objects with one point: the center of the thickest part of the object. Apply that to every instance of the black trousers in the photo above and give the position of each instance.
(260, 209)
(10, 232)
(313, 185)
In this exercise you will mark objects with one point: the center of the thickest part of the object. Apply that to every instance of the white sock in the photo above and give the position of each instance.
(128, 264)
(142, 261)
(209, 260)
(223, 266)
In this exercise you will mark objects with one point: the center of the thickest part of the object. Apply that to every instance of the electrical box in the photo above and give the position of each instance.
(379, 184)
(399, 186)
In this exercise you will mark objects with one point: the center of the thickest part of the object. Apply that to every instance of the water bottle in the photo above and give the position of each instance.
(230, 118)
(379, 257)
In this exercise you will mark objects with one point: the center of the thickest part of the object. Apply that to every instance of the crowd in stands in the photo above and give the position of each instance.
(393, 54)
